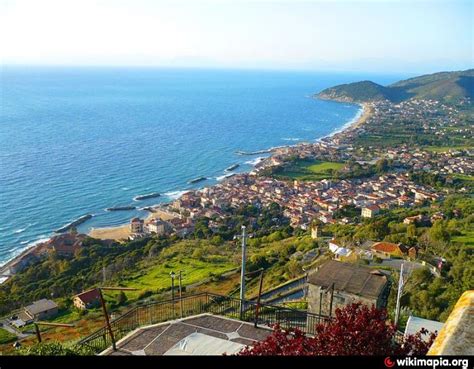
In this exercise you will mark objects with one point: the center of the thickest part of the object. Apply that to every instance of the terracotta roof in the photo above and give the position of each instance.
(387, 247)
(88, 296)
(373, 207)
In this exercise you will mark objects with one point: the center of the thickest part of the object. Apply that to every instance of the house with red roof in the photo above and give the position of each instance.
(87, 299)
(386, 250)
(370, 211)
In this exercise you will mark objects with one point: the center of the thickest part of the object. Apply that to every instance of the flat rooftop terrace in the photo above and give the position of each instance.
(204, 334)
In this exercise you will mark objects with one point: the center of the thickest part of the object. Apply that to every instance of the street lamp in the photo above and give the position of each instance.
(180, 279)
(172, 275)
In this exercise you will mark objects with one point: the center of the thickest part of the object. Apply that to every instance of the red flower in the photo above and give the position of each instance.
(355, 330)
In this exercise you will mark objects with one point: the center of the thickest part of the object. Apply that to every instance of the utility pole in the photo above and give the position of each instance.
(332, 299)
(180, 293)
(257, 308)
(242, 272)
(401, 282)
(106, 314)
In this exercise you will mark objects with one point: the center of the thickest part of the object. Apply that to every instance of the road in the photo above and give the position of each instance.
(8, 327)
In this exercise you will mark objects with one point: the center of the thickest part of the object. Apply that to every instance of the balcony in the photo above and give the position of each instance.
(252, 316)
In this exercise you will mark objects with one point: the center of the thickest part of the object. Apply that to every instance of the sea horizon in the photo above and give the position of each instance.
(145, 130)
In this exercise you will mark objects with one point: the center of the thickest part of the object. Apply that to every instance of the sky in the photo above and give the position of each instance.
(406, 36)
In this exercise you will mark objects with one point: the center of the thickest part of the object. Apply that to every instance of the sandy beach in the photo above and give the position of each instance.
(367, 112)
(122, 232)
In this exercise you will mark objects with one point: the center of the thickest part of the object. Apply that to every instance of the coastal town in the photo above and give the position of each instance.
(340, 180)
(303, 201)
(306, 201)
(271, 178)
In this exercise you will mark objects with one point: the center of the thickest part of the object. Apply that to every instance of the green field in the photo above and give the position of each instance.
(6, 336)
(158, 277)
(310, 170)
(467, 238)
(464, 177)
(441, 149)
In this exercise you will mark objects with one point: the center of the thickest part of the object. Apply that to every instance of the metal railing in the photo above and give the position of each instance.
(162, 311)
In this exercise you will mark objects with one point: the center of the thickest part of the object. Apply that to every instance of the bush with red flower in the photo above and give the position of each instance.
(355, 330)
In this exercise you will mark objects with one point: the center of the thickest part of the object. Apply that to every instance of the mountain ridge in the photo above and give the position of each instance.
(446, 86)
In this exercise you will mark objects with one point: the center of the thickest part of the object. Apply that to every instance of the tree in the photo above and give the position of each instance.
(121, 298)
(356, 330)
(382, 166)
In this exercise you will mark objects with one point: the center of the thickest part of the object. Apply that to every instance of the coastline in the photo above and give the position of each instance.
(118, 231)
(121, 232)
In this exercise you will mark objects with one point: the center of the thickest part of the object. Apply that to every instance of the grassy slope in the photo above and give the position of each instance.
(6, 337)
(154, 275)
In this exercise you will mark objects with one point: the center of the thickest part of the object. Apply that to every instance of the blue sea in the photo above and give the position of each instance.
(74, 141)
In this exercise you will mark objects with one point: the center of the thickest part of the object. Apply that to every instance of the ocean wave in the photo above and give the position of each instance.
(291, 139)
(41, 239)
(255, 161)
(21, 230)
(220, 178)
(173, 195)
(345, 126)
(25, 242)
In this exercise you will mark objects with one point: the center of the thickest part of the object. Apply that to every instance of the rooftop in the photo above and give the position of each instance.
(40, 306)
(354, 279)
(203, 334)
(415, 324)
(89, 295)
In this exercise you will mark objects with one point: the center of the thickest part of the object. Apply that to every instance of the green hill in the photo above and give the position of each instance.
(446, 86)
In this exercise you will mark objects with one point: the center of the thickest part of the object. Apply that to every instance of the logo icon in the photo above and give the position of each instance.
(389, 363)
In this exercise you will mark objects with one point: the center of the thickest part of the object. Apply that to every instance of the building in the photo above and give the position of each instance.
(87, 299)
(338, 250)
(370, 211)
(136, 226)
(345, 283)
(415, 324)
(157, 226)
(66, 244)
(42, 309)
(315, 233)
(455, 338)
(386, 250)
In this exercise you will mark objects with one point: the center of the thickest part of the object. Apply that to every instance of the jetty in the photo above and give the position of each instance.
(147, 196)
(232, 167)
(121, 208)
(75, 223)
(196, 180)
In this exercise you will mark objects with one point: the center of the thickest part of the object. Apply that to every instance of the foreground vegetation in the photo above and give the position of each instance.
(209, 262)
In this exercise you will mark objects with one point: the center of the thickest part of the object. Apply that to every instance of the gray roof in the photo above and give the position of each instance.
(40, 306)
(350, 278)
